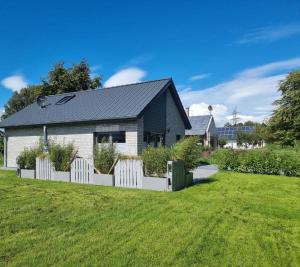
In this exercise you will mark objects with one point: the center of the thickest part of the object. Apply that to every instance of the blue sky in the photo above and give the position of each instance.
(224, 53)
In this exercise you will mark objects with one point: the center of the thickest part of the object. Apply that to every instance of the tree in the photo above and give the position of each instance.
(222, 142)
(60, 80)
(22, 99)
(76, 78)
(285, 120)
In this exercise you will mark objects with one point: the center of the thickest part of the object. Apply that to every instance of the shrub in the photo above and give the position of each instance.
(27, 158)
(155, 160)
(261, 161)
(104, 157)
(227, 159)
(188, 151)
(62, 156)
(289, 163)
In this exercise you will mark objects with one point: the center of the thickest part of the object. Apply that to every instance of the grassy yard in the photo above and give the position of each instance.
(231, 220)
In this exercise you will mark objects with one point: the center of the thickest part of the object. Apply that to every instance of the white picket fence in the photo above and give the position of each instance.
(129, 173)
(44, 169)
(82, 171)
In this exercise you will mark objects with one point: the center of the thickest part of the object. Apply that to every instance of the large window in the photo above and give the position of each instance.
(102, 137)
(118, 137)
(154, 139)
(111, 137)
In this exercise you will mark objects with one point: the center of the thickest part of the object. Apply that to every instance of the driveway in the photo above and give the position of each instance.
(204, 172)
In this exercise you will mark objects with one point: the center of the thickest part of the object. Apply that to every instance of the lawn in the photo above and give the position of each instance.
(230, 220)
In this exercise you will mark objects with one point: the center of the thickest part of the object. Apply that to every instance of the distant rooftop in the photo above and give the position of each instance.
(199, 125)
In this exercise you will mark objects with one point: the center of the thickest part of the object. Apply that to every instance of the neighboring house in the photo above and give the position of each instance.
(230, 134)
(204, 127)
(131, 116)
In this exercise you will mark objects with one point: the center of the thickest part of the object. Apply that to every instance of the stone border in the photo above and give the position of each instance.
(27, 174)
(104, 179)
(62, 176)
(156, 183)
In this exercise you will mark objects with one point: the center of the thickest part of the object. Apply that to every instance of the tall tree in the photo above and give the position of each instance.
(76, 78)
(22, 99)
(285, 120)
(60, 80)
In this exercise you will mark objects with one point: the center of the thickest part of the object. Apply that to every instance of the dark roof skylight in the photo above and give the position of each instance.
(65, 99)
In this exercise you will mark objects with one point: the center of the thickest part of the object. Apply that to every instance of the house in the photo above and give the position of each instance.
(229, 134)
(131, 116)
(204, 127)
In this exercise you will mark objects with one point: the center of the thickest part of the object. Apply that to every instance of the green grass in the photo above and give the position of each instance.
(231, 220)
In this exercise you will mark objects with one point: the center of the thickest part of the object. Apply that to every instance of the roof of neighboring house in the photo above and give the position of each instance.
(230, 133)
(199, 124)
(114, 103)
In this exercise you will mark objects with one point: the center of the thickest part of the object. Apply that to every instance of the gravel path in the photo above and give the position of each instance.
(204, 172)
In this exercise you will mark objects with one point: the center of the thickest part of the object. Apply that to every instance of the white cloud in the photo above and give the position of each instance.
(14, 82)
(270, 34)
(199, 77)
(250, 91)
(125, 76)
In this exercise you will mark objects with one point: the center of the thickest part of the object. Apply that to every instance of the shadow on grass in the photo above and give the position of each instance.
(204, 181)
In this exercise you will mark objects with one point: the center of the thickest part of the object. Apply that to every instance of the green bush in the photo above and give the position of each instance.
(155, 160)
(289, 163)
(227, 159)
(62, 156)
(105, 155)
(27, 158)
(188, 151)
(260, 161)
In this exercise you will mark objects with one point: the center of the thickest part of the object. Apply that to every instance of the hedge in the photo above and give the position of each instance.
(260, 161)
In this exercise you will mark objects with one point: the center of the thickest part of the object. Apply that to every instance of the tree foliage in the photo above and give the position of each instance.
(222, 142)
(60, 80)
(76, 78)
(285, 120)
(22, 99)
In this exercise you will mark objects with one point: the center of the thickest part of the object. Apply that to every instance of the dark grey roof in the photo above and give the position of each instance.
(199, 125)
(119, 102)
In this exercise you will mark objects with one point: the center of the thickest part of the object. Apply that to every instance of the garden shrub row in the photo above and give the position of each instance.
(186, 150)
(260, 161)
(60, 155)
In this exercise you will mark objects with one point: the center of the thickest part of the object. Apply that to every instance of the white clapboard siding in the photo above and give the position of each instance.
(44, 169)
(82, 171)
(129, 173)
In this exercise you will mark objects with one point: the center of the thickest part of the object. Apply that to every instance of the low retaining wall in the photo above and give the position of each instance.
(27, 174)
(156, 183)
(104, 179)
(62, 176)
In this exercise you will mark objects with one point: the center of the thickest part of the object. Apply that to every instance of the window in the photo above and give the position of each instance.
(118, 137)
(65, 99)
(102, 137)
(178, 137)
(154, 139)
(111, 137)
